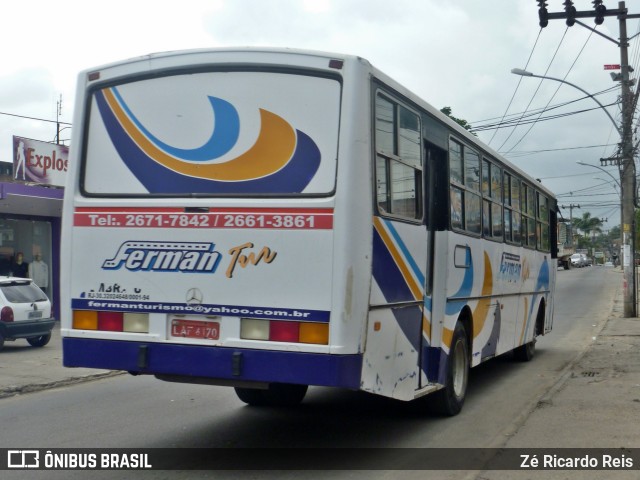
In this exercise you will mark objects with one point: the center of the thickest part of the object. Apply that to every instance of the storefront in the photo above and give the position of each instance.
(30, 216)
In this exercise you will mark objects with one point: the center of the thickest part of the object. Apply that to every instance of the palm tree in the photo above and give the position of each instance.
(588, 224)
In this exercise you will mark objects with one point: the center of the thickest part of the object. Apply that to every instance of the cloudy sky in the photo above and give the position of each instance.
(456, 53)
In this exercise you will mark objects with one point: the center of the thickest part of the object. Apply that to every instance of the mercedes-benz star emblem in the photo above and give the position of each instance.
(194, 296)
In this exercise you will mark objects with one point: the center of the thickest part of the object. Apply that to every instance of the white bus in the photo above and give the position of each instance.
(270, 219)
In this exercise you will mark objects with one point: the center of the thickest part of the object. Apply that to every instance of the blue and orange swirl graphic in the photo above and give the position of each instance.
(283, 160)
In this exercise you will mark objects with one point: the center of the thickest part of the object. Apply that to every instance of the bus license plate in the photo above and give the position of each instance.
(195, 329)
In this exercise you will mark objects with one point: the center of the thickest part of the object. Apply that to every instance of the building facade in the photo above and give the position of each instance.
(31, 198)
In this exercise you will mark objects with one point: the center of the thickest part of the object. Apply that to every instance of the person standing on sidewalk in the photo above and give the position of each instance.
(20, 268)
(39, 272)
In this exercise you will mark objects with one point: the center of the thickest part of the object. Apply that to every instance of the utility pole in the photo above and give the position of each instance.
(628, 175)
(58, 113)
(571, 206)
(628, 168)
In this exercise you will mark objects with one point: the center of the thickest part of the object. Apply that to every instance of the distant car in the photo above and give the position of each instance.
(578, 260)
(25, 312)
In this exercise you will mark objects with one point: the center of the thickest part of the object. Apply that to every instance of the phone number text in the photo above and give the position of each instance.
(204, 220)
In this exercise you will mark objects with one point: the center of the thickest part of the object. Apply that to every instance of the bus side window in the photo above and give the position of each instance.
(398, 159)
(465, 187)
(457, 214)
(542, 228)
(492, 207)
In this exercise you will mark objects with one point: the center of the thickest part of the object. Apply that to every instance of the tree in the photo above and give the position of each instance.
(463, 123)
(588, 225)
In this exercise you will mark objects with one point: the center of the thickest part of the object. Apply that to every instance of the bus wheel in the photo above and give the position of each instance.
(277, 395)
(285, 394)
(449, 400)
(251, 396)
(525, 353)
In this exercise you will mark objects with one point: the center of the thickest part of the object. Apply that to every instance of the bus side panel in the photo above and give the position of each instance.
(395, 334)
(538, 273)
(496, 287)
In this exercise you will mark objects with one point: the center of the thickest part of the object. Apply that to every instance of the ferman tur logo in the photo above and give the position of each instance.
(188, 257)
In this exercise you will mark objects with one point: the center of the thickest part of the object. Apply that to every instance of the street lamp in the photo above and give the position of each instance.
(602, 170)
(524, 73)
(627, 182)
(59, 130)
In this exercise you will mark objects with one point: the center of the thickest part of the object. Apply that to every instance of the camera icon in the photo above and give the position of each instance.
(23, 459)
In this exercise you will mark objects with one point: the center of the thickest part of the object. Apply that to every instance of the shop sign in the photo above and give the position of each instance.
(40, 162)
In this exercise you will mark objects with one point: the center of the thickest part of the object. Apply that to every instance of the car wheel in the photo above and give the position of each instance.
(1, 341)
(40, 341)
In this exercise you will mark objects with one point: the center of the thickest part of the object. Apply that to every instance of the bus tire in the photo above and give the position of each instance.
(277, 395)
(449, 400)
(251, 396)
(285, 394)
(526, 352)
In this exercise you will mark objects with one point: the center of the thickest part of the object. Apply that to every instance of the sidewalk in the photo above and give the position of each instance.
(24, 368)
(596, 402)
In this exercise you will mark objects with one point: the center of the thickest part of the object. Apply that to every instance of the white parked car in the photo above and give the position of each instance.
(25, 312)
(578, 260)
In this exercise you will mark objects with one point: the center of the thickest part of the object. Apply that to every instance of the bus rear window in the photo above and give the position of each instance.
(213, 134)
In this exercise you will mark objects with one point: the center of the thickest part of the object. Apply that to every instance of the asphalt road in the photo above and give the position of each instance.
(137, 412)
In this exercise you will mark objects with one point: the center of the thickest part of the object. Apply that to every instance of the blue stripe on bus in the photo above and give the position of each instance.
(387, 274)
(394, 287)
(405, 251)
(432, 358)
(214, 362)
(455, 306)
(542, 283)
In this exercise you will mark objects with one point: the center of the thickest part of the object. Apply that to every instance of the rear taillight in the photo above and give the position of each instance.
(111, 321)
(6, 315)
(284, 331)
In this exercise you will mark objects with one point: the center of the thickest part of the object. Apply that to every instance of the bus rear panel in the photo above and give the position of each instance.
(201, 222)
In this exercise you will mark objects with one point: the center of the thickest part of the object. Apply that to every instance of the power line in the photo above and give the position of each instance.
(523, 153)
(539, 119)
(557, 89)
(34, 118)
(517, 86)
(538, 88)
(537, 110)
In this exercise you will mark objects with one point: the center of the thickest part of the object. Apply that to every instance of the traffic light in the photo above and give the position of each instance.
(571, 13)
(543, 14)
(600, 11)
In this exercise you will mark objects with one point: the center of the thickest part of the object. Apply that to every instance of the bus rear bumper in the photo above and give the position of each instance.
(216, 363)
